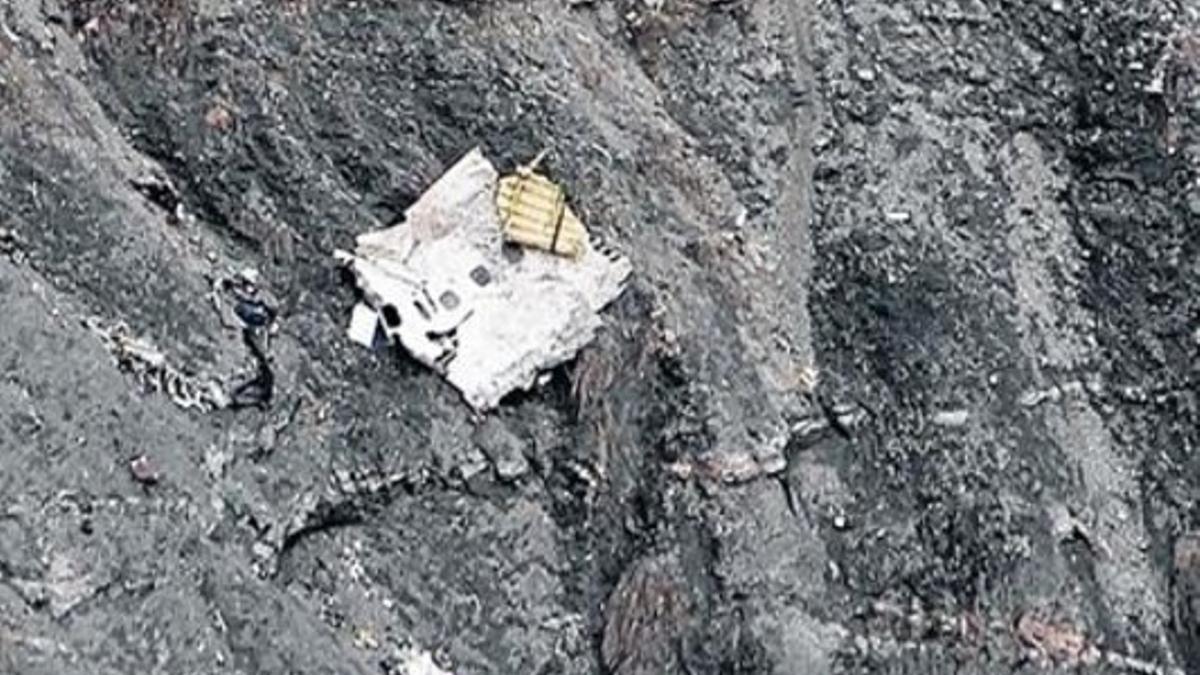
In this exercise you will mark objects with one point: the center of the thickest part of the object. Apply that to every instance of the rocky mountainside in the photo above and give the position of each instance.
(905, 380)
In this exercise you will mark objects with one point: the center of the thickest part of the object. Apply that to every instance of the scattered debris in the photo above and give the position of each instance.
(951, 418)
(64, 587)
(364, 638)
(808, 431)
(771, 457)
(805, 378)
(488, 316)
(1136, 665)
(1061, 643)
(845, 417)
(143, 470)
(1066, 526)
(967, 626)
(34, 642)
(733, 468)
(150, 367)
(1181, 55)
(866, 74)
(1042, 639)
(419, 662)
(1072, 389)
(11, 245)
(1078, 389)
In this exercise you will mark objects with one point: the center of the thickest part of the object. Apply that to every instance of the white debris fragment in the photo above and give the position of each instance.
(488, 317)
(951, 418)
(364, 324)
(419, 662)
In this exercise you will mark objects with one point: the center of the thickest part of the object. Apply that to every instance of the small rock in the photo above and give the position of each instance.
(772, 464)
(143, 471)
(770, 457)
(262, 551)
(808, 431)
(474, 464)
(848, 415)
(266, 440)
(897, 217)
(840, 522)
(865, 74)
(503, 448)
(1193, 202)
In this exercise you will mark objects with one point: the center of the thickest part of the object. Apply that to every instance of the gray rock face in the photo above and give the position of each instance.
(905, 379)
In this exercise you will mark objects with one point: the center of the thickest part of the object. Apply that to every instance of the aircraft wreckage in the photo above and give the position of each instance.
(489, 281)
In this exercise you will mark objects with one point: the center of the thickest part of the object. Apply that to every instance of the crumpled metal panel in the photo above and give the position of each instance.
(486, 316)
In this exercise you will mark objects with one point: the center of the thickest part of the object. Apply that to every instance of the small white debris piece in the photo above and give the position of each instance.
(419, 662)
(951, 418)
(488, 317)
(364, 322)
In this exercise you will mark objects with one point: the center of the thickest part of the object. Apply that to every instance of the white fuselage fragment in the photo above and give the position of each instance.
(488, 318)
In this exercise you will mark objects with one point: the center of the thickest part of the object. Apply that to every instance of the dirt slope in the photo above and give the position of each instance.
(975, 220)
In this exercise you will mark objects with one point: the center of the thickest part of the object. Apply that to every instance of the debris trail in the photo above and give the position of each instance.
(1035, 635)
(149, 366)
